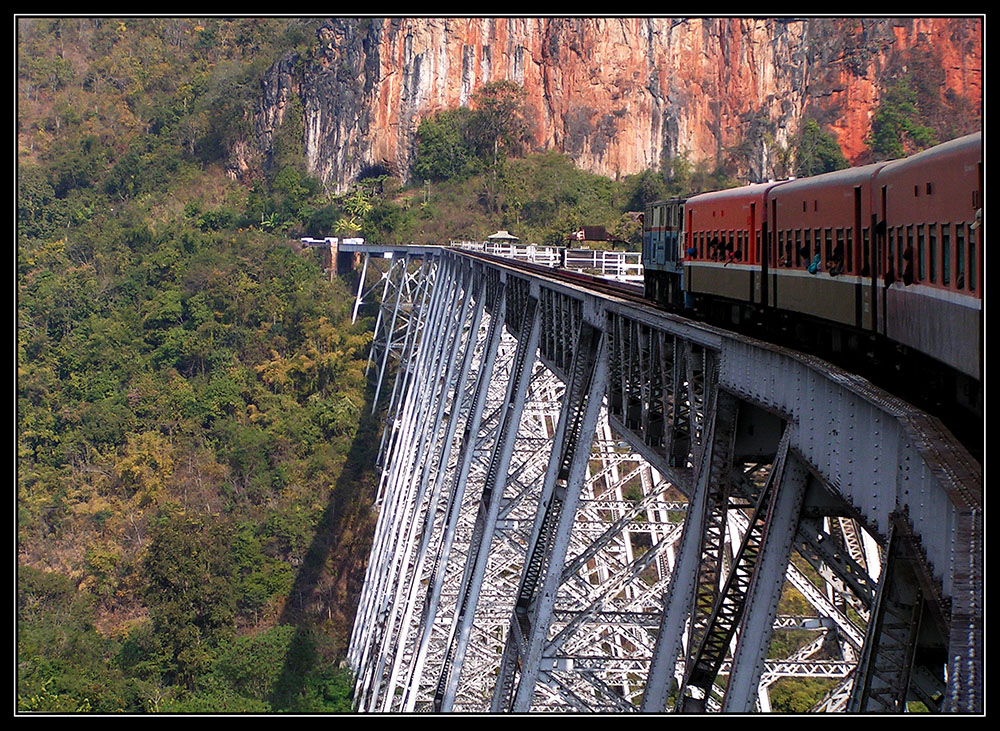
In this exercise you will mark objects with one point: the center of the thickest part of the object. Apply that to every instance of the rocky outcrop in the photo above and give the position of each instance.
(618, 95)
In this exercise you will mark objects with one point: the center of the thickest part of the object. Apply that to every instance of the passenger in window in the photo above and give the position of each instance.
(908, 267)
(890, 275)
(837, 261)
(714, 247)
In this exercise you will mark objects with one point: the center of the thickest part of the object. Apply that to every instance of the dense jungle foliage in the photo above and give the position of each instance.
(193, 447)
(193, 484)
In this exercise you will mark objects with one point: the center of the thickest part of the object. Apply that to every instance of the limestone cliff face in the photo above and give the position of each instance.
(618, 95)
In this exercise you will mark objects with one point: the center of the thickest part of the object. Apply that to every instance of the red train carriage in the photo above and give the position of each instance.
(879, 268)
(929, 207)
(821, 247)
(724, 257)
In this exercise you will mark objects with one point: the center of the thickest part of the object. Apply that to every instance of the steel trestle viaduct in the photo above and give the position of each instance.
(590, 505)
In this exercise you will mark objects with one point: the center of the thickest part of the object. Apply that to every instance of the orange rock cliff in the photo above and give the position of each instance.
(618, 95)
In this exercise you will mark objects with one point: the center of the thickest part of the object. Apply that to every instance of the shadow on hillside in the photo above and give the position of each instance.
(324, 596)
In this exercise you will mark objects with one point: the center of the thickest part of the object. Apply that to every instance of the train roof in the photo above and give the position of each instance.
(847, 176)
(969, 144)
(754, 189)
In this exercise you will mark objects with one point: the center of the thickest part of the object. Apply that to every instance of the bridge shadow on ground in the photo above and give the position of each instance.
(324, 596)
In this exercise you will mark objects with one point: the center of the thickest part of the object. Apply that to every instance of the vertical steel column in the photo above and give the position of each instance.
(390, 433)
(527, 347)
(789, 479)
(456, 493)
(429, 529)
(718, 437)
(710, 587)
(361, 285)
(416, 352)
(399, 485)
(557, 509)
(430, 451)
(407, 358)
(425, 281)
(882, 681)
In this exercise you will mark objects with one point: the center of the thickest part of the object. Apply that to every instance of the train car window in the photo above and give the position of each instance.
(972, 258)
(817, 241)
(960, 255)
(828, 253)
(866, 252)
(945, 253)
(836, 259)
(909, 241)
(891, 249)
(921, 268)
(932, 251)
(899, 249)
(802, 254)
(850, 250)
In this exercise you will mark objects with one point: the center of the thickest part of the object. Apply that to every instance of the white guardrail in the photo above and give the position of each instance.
(622, 266)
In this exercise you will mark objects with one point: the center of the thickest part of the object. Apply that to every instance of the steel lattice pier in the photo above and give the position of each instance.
(587, 505)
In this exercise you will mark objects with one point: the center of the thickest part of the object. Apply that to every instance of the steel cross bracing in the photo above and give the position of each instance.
(587, 505)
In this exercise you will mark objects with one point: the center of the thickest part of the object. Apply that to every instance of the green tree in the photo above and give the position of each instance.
(498, 128)
(444, 149)
(897, 126)
(63, 662)
(816, 151)
(189, 591)
(499, 125)
(643, 188)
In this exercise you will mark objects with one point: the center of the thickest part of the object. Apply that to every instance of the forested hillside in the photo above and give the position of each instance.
(192, 479)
